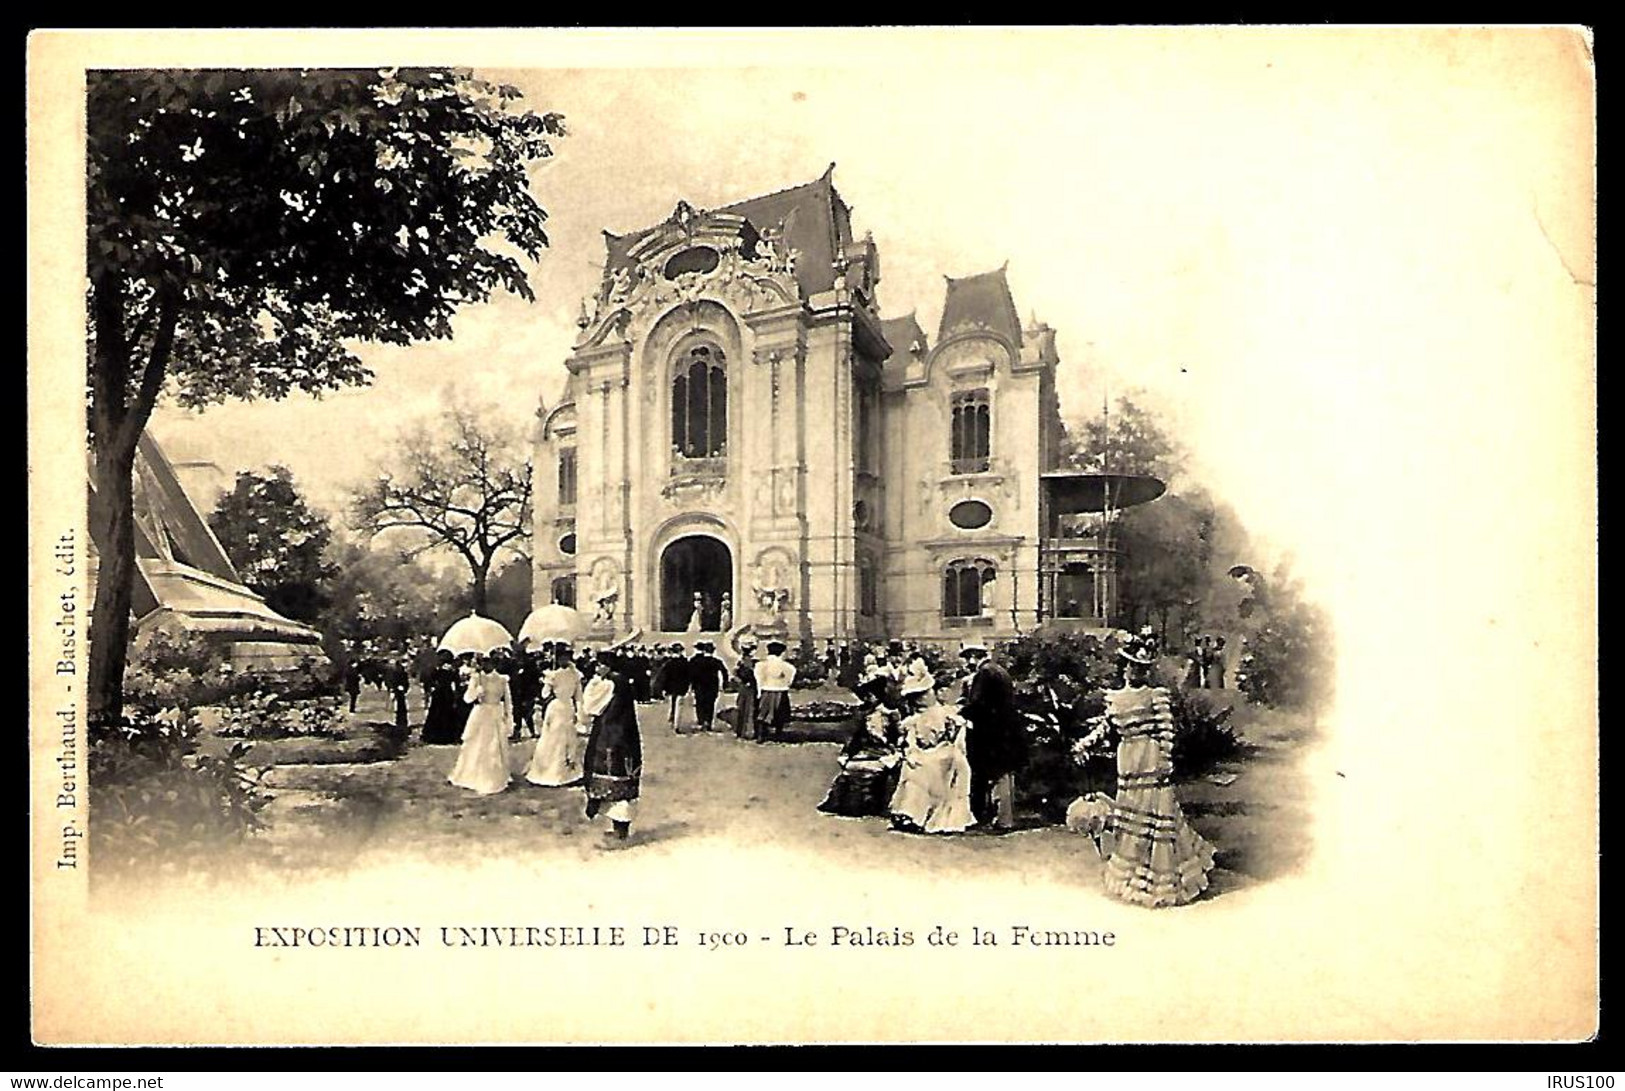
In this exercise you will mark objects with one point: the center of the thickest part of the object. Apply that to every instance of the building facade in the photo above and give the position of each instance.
(743, 440)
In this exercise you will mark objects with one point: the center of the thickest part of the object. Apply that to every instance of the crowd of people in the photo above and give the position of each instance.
(936, 748)
(580, 708)
(935, 751)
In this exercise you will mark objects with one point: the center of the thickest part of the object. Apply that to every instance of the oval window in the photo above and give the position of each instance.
(567, 545)
(970, 515)
(696, 259)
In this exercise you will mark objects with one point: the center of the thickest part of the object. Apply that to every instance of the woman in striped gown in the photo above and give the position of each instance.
(1153, 856)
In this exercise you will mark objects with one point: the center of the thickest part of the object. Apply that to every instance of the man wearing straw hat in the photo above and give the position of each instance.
(773, 678)
(995, 746)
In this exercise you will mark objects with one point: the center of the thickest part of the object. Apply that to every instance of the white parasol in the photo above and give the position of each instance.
(553, 622)
(475, 634)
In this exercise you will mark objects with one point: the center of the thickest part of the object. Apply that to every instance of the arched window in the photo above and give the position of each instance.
(699, 404)
(564, 590)
(971, 432)
(967, 588)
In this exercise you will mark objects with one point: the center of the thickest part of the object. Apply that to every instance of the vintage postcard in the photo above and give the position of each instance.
(868, 535)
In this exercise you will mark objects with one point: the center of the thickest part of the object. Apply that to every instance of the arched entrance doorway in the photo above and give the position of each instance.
(696, 564)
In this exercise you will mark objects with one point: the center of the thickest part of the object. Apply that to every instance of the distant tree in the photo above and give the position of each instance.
(462, 485)
(1286, 659)
(1129, 440)
(383, 595)
(277, 542)
(1166, 571)
(508, 594)
(246, 227)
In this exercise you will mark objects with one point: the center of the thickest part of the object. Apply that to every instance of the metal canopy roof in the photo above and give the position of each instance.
(1073, 492)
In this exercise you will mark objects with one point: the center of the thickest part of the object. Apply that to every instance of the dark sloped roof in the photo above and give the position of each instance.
(982, 300)
(900, 333)
(816, 222)
(619, 245)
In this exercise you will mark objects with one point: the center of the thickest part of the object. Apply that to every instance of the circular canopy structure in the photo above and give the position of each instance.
(1073, 492)
(475, 634)
(553, 622)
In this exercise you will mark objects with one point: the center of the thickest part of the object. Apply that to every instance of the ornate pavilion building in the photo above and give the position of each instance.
(743, 440)
(185, 583)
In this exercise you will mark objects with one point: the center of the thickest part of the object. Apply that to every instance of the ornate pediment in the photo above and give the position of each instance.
(970, 356)
(694, 256)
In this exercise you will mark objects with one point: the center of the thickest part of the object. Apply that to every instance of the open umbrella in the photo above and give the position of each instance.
(475, 634)
(553, 622)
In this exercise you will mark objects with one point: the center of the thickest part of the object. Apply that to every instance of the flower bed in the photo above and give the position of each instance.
(823, 710)
(264, 714)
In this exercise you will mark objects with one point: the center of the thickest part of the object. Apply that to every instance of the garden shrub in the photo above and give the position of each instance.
(172, 670)
(810, 673)
(1285, 662)
(178, 670)
(1202, 738)
(1091, 662)
(154, 798)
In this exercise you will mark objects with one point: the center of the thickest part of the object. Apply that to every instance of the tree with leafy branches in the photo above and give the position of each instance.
(276, 541)
(245, 228)
(455, 483)
(1130, 439)
(381, 594)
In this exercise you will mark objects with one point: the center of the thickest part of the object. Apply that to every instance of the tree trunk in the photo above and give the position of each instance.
(116, 423)
(112, 522)
(480, 572)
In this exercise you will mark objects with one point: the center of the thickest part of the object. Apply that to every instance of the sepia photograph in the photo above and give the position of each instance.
(813, 536)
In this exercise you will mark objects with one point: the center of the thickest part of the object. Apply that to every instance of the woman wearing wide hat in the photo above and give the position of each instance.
(933, 788)
(868, 776)
(1153, 856)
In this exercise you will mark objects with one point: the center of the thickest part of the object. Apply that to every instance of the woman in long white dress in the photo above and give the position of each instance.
(482, 763)
(555, 762)
(933, 788)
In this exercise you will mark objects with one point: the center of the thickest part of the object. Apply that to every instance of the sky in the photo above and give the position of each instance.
(1339, 263)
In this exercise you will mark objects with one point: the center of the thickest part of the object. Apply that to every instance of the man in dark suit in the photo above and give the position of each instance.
(671, 681)
(706, 676)
(995, 746)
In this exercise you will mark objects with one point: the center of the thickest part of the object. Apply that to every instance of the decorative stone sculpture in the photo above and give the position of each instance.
(605, 598)
(772, 591)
